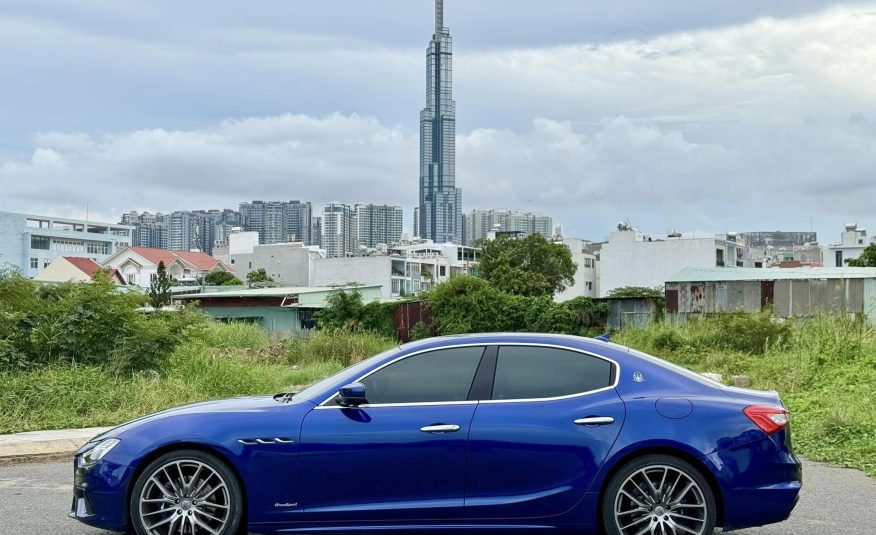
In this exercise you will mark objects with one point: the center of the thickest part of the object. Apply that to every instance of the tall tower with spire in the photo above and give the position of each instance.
(440, 199)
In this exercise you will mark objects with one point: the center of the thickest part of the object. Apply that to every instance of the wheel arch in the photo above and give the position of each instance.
(673, 451)
(177, 446)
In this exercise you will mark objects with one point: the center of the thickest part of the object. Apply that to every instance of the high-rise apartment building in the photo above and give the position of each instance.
(278, 221)
(440, 199)
(379, 223)
(149, 230)
(481, 222)
(339, 231)
(316, 231)
(416, 228)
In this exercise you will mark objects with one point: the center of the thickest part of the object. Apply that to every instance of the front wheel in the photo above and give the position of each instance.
(659, 495)
(186, 492)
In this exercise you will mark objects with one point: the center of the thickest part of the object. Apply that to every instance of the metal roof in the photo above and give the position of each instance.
(692, 274)
(270, 292)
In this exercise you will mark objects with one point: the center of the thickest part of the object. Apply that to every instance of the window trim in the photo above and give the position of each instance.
(486, 345)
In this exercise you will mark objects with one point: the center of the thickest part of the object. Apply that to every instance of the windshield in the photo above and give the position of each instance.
(347, 374)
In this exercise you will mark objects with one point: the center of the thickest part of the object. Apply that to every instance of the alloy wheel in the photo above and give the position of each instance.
(660, 500)
(184, 497)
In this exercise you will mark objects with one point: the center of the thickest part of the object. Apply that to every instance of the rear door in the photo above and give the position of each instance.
(537, 442)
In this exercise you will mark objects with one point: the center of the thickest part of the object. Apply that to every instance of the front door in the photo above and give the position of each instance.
(535, 447)
(402, 456)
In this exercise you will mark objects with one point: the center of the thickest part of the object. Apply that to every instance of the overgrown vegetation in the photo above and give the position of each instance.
(90, 324)
(471, 304)
(824, 369)
(213, 361)
(345, 310)
(867, 258)
(221, 278)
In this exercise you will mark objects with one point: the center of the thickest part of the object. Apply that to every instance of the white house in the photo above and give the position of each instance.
(586, 276)
(139, 265)
(852, 243)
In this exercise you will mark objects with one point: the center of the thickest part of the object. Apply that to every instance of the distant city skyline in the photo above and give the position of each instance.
(703, 118)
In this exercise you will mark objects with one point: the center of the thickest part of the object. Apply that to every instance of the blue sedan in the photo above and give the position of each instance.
(469, 433)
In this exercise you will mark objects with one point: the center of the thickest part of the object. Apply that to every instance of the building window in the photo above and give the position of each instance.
(98, 248)
(839, 259)
(589, 285)
(132, 278)
(34, 263)
(232, 261)
(46, 263)
(153, 277)
(442, 270)
(250, 265)
(40, 242)
(68, 246)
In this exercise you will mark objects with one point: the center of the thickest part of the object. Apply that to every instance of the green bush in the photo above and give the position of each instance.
(469, 304)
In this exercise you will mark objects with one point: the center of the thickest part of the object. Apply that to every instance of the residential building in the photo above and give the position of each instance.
(316, 231)
(396, 276)
(480, 223)
(279, 310)
(150, 230)
(339, 231)
(278, 221)
(30, 243)
(852, 243)
(289, 264)
(460, 258)
(139, 265)
(631, 258)
(794, 292)
(777, 248)
(75, 269)
(440, 199)
(416, 227)
(379, 224)
(586, 282)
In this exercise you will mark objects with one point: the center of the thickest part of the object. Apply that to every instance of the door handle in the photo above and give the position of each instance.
(440, 428)
(595, 420)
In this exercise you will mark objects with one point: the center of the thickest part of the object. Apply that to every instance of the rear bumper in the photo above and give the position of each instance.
(760, 482)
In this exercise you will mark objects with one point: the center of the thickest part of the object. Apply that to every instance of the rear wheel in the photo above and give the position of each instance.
(659, 495)
(186, 492)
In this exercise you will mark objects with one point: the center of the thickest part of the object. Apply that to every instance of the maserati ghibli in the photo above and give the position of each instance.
(491, 432)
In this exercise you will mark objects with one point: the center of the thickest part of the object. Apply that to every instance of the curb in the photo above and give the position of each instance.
(45, 443)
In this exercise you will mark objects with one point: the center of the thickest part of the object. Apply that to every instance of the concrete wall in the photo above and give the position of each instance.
(274, 319)
(628, 259)
(367, 270)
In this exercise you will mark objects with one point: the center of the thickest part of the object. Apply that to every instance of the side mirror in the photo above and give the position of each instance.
(352, 395)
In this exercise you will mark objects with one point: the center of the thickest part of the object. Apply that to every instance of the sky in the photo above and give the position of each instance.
(700, 116)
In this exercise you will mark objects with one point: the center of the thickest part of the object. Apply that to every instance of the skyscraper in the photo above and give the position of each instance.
(440, 199)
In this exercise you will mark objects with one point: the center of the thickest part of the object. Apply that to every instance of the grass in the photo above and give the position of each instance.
(214, 361)
(824, 369)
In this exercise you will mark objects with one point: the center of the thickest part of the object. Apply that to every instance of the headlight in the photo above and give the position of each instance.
(99, 451)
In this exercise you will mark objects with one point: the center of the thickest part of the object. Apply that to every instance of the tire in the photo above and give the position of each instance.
(678, 495)
(188, 487)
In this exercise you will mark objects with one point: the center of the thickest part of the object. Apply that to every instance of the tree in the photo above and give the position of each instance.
(867, 258)
(637, 291)
(530, 267)
(159, 289)
(221, 278)
(258, 276)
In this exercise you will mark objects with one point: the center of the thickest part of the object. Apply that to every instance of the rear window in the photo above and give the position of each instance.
(529, 372)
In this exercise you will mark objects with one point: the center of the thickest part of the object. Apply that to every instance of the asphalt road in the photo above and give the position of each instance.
(35, 499)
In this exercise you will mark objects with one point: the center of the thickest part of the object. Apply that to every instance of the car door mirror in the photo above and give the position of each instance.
(352, 395)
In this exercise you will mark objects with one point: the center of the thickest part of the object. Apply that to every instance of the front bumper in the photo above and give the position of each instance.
(100, 495)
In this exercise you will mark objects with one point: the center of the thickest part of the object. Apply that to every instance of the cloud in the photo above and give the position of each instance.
(760, 125)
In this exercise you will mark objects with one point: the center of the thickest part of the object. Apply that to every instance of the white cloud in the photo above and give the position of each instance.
(760, 125)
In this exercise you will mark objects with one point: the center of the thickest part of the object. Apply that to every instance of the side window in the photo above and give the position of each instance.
(436, 376)
(524, 372)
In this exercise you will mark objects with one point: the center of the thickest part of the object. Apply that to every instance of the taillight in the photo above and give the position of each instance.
(768, 418)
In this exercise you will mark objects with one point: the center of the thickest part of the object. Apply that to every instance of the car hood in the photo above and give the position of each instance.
(253, 404)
